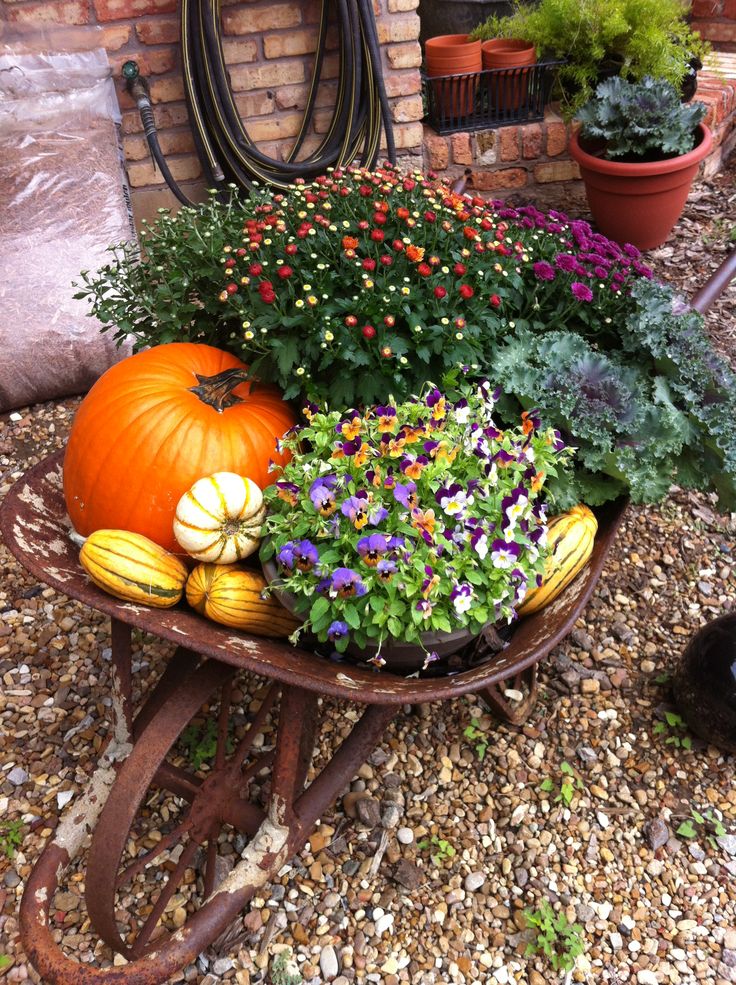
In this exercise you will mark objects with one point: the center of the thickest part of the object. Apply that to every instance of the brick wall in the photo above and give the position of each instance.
(268, 46)
(715, 20)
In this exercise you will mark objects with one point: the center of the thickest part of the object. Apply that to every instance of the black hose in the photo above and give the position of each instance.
(226, 151)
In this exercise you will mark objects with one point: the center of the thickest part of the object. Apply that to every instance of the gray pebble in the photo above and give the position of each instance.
(17, 776)
(391, 816)
(222, 966)
(473, 881)
(11, 879)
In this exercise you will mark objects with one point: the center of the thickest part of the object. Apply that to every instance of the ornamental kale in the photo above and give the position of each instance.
(640, 120)
(404, 520)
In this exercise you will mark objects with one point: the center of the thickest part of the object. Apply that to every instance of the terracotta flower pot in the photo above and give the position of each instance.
(453, 54)
(639, 203)
(508, 90)
(400, 657)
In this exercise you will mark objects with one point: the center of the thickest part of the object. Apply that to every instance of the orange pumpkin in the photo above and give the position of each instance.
(155, 423)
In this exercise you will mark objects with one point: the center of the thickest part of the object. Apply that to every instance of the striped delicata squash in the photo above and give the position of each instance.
(571, 537)
(232, 596)
(131, 567)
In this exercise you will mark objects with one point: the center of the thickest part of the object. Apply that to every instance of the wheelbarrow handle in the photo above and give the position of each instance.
(716, 284)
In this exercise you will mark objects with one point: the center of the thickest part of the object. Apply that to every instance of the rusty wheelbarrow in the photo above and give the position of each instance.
(275, 823)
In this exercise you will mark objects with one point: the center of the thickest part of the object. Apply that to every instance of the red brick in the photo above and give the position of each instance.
(65, 12)
(114, 37)
(250, 20)
(295, 97)
(729, 9)
(404, 55)
(116, 10)
(398, 29)
(556, 171)
(397, 6)
(407, 136)
(152, 62)
(706, 8)
(239, 52)
(255, 104)
(182, 168)
(172, 142)
(166, 115)
(290, 43)
(246, 77)
(438, 154)
(163, 31)
(718, 31)
(461, 150)
(556, 139)
(408, 109)
(274, 127)
(531, 141)
(400, 83)
(168, 90)
(509, 142)
(508, 178)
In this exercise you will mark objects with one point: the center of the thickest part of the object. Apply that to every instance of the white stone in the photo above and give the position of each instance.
(646, 977)
(328, 962)
(405, 836)
(384, 923)
(501, 975)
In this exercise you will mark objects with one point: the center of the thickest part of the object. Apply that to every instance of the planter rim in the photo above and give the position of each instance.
(506, 44)
(288, 600)
(630, 169)
(449, 41)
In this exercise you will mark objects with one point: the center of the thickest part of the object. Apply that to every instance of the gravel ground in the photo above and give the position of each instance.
(653, 907)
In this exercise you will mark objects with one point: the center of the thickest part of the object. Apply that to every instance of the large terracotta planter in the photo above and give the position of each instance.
(508, 89)
(639, 203)
(399, 657)
(453, 54)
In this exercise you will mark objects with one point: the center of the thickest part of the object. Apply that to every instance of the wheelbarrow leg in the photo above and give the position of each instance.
(503, 707)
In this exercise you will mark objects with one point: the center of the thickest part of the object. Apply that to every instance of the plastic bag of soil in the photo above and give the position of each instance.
(64, 199)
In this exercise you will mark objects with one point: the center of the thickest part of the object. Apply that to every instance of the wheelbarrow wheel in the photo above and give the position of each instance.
(202, 808)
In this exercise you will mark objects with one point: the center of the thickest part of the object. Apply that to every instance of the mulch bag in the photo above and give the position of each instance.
(64, 199)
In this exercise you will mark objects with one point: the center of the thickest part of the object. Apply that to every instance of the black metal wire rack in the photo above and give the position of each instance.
(491, 98)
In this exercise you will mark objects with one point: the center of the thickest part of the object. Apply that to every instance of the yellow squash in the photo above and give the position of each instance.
(132, 567)
(231, 595)
(571, 537)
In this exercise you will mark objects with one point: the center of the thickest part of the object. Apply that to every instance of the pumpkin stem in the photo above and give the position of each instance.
(216, 390)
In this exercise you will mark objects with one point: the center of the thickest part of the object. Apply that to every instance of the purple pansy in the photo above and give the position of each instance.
(453, 499)
(504, 555)
(479, 542)
(285, 556)
(406, 494)
(425, 607)
(356, 509)
(321, 492)
(386, 569)
(372, 549)
(346, 583)
(461, 597)
(338, 630)
(305, 555)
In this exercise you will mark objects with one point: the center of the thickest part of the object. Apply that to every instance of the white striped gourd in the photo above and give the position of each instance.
(219, 519)
(570, 538)
(232, 596)
(131, 567)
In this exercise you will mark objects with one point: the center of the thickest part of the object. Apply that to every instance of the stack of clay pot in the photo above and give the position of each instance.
(454, 55)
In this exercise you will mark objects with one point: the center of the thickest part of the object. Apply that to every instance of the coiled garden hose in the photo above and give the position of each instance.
(227, 153)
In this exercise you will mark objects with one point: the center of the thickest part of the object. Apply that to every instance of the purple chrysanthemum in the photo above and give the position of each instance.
(581, 292)
(543, 270)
